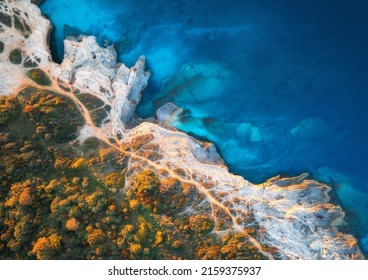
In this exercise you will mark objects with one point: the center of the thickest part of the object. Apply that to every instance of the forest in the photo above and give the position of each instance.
(60, 199)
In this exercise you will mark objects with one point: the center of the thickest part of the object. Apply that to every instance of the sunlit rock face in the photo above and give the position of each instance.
(286, 218)
(291, 215)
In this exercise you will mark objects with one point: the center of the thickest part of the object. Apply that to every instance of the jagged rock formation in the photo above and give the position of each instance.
(284, 218)
(89, 68)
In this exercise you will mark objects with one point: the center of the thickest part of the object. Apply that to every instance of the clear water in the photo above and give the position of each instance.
(281, 87)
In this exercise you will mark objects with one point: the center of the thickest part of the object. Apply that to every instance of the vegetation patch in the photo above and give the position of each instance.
(5, 19)
(22, 26)
(90, 101)
(18, 24)
(64, 88)
(138, 142)
(29, 63)
(39, 77)
(15, 56)
(98, 116)
(9, 108)
(1, 46)
(56, 116)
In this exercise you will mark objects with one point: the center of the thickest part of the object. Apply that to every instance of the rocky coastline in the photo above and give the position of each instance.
(284, 218)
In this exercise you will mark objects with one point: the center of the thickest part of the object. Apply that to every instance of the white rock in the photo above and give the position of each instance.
(167, 113)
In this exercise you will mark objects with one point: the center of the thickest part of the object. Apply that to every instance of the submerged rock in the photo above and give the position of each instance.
(70, 31)
(196, 82)
(309, 128)
(131, 31)
(168, 112)
(250, 132)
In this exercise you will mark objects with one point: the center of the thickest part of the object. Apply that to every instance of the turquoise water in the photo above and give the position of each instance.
(279, 86)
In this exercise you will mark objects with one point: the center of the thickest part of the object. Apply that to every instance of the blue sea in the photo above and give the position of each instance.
(280, 86)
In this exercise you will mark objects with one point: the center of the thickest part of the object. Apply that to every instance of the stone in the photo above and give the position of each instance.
(168, 112)
(250, 132)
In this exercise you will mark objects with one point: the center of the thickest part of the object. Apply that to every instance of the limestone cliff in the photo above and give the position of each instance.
(287, 218)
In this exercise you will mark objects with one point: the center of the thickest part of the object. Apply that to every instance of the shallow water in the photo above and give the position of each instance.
(279, 86)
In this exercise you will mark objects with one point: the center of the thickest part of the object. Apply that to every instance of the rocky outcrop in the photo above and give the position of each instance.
(87, 67)
(284, 218)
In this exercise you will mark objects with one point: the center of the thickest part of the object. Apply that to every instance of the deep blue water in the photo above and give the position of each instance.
(281, 87)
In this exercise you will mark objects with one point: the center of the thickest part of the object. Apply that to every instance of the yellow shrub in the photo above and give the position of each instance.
(134, 204)
(79, 163)
(159, 237)
(72, 224)
(25, 197)
(135, 248)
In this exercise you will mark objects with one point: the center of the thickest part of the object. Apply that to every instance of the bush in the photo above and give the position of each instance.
(5, 19)
(98, 116)
(96, 237)
(9, 108)
(79, 164)
(46, 247)
(90, 101)
(134, 204)
(146, 182)
(114, 180)
(136, 248)
(72, 224)
(39, 77)
(91, 144)
(201, 224)
(25, 197)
